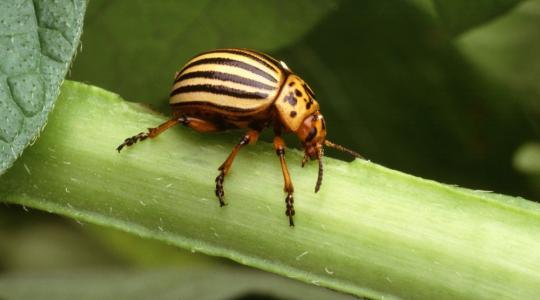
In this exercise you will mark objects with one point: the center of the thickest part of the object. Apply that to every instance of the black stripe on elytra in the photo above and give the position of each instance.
(230, 62)
(219, 90)
(248, 55)
(212, 105)
(225, 77)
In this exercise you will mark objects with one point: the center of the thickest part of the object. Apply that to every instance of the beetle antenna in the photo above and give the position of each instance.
(319, 177)
(341, 148)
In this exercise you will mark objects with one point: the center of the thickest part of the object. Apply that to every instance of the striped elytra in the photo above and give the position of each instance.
(240, 88)
(234, 79)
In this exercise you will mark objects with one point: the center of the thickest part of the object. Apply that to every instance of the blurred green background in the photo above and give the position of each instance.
(445, 90)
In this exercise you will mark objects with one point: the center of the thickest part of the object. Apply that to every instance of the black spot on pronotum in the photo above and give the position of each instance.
(291, 83)
(290, 98)
(311, 135)
(292, 114)
(308, 105)
(298, 93)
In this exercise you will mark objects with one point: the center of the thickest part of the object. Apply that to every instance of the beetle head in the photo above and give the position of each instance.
(312, 133)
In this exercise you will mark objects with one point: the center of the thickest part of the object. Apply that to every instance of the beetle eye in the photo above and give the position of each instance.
(312, 134)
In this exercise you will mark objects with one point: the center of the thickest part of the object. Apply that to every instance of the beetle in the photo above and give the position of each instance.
(238, 88)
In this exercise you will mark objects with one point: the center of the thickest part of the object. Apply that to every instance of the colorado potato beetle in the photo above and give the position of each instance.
(241, 88)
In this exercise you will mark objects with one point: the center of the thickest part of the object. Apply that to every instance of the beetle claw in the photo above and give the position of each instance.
(290, 208)
(219, 188)
(132, 140)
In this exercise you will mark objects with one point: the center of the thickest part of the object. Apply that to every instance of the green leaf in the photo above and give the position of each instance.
(370, 231)
(37, 42)
(458, 16)
(187, 283)
(507, 51)
(135, 48)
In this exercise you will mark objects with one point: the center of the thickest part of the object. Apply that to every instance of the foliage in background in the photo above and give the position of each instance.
(506, 51)
(458, 16)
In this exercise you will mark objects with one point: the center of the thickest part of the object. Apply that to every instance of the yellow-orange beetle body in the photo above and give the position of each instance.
(240, 88)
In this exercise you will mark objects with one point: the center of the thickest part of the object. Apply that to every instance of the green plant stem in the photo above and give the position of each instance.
(370, 231)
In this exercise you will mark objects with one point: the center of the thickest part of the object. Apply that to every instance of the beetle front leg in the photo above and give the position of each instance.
(279, 145)
(250, 138)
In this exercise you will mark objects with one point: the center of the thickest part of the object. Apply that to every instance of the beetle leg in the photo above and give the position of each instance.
(279, 145)
(199, 125)
(152, 132)
(194, 123)
(250, 138)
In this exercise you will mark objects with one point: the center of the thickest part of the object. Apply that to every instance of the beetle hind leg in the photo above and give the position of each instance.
(249, 138)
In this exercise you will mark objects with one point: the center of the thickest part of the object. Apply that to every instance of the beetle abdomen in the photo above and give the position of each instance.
(232, 81)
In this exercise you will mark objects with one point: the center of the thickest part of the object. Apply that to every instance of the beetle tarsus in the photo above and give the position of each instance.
(132, 140)
(219, 188)
(152, 132)
(290, 208)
